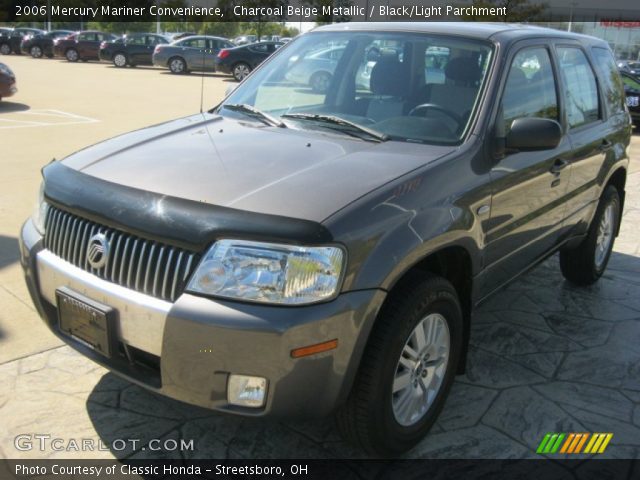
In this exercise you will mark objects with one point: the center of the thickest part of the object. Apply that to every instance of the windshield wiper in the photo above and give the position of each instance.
(332, 119)
(254, 112)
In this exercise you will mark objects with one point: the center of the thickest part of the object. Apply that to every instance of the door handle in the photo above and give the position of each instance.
(605, 145)
(558, 166)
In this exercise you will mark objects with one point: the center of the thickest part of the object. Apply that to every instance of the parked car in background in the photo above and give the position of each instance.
(285, 39)
(245, 39)
(82, 46)
(240, 61)
(7, 82)
(179, 36)
(10, 40)
(41, 44)
(132, 49)
(629, 66)
(632, 94)
(196, 53)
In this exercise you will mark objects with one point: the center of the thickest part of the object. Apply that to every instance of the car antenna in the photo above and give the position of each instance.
(202, 77)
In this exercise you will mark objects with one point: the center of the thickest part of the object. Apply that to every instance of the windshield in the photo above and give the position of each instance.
(407, 86)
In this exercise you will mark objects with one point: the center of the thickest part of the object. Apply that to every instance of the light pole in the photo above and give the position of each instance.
(573, 4)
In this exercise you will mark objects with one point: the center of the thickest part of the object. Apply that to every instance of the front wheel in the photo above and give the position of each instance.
(407, 368)
(585, 264)
(72, 55)
(240, 71)
(36, 51)
(5, 49)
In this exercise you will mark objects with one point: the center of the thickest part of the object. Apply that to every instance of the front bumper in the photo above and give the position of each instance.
(187, 349)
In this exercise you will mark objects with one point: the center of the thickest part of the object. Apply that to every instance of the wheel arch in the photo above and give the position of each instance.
(618, 179)
(455, 264)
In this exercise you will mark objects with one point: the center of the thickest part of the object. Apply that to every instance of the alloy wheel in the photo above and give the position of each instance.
(421, 369)
(240, 71)
(120, 60)
(36, 52)
(604, 237)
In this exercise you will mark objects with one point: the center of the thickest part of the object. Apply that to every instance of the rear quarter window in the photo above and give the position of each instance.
(610, 80)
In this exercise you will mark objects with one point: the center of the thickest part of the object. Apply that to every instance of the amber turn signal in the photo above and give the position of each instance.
(313, 349)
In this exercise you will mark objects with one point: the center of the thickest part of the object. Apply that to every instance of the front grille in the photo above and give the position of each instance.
(143, 265)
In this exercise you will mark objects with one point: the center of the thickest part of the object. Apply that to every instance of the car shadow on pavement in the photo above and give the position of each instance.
(194, 74)
(536, 364)
(9, 251)
(8, 107)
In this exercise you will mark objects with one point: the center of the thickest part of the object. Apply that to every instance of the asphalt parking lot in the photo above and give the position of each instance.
(546, 356)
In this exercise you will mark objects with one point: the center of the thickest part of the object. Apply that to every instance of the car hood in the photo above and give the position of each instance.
(250, 166)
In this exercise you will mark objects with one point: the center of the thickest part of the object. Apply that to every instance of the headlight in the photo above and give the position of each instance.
(269, 272)
(40, 210)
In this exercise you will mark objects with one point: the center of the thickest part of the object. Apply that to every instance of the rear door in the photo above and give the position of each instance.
(588, 130)
(528, 187)
(89, 45)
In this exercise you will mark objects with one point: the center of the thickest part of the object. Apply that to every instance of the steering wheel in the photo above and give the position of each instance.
(432, 106)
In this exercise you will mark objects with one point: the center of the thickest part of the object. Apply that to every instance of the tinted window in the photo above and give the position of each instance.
(530, 90)
(581, 87)
(262, 48)
(136, 40)
(611, 83)
(87, 37)
(194, 43)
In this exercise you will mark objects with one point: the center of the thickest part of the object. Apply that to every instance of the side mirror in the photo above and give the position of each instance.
(533, 134)
(230, 89)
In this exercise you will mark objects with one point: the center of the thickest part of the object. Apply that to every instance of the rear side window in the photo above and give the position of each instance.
(581, 87)
(611, 82)
(531, 87)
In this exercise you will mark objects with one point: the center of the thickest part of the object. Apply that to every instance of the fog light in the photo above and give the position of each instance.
(246, 391)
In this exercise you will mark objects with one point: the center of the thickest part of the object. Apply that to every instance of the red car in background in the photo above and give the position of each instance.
(81, 45)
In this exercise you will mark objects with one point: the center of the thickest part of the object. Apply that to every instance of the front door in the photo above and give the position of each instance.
(528, 187)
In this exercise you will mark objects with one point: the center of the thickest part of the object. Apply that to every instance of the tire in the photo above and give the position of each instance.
(120, 60)
(36, 51)
(320, 81)
(585, 264)
(240, 71)
(373, 417)
(177, 65)
(72, 55)
(5, 49)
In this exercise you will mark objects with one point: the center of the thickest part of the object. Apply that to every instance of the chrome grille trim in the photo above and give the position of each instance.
(146, 266)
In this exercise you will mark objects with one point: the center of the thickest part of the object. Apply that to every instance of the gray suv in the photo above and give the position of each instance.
(295, 252)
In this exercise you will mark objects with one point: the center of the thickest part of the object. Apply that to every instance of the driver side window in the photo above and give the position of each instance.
(530, 90)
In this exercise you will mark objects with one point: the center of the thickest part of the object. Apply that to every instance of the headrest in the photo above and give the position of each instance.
(463, 70)
(388, 77)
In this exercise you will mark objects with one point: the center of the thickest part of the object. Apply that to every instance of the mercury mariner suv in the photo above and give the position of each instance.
(303, 252)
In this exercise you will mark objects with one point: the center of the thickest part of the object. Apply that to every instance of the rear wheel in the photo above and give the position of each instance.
(36, 51)
(177, 65)
(585, 264)
(120, 60)
(72, 55)
(240, 71)
(5, 49)
(407, 368)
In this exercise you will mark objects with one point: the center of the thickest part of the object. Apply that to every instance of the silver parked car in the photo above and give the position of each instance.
(197, 53)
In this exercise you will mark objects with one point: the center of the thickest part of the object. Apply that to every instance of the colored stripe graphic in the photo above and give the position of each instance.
(571, 443)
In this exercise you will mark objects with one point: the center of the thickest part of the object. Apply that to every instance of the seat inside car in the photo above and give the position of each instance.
(389, 83)
(459, 91)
